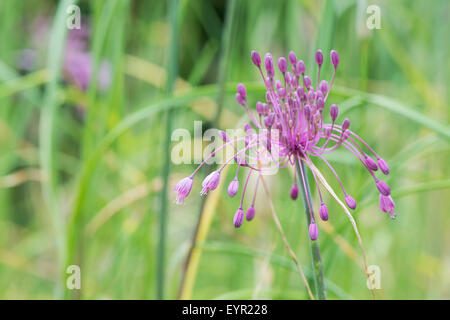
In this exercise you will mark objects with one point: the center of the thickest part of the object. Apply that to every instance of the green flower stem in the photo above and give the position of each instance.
(172, 70)
(319, 280)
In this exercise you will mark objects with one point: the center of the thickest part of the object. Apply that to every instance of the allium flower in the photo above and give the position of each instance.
(296, 111)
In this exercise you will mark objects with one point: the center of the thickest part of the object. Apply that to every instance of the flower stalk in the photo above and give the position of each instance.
(319, 280)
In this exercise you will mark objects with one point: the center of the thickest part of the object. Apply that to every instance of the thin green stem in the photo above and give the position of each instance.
(319, 281)
(172, 75)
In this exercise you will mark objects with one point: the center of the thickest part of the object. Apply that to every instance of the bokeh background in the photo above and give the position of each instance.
(84, 120)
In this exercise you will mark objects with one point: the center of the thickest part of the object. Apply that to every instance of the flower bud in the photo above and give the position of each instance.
(223, 136)
(233, 187)
(383, 166)
(238, 218)
(323, 212)
(334, 58)
(292, 58)
(323, 87)
(307, 111)
(256, 58)
(268, 63)
(250, 213)
(294, 191)
(300, 67)
(282, 64)
(269, 120)
(383, 188)
(351, 203)
(240, 99)
(241, 90)
(313, 231)
(320, 103)
(334, 111)
(370, 163)
(319, 57)
(210, 182)
(300, 92)
(307, 82)
(345, 124)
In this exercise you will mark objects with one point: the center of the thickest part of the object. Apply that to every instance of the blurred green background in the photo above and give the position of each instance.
(84, 120)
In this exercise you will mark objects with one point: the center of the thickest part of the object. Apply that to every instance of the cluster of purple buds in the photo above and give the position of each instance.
(296, 110)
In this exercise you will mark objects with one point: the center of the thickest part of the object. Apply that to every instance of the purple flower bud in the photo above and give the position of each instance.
(241, 90)
(259, 108)
(256, 58)
(282, 64)
(320, 103)
(294, 191)
(383, 166)
(300, 92)
(233, 187)
(250, 213)
(307, 82)
(323, 87)
(269, 120)
(211, 182)
(323, 212)
(334, 58)
(268, 63)
(319, 57)
(334, 111)
(292, 58)
(300, 67)
(240, 99)
(351, 203)
(307, 111)
(313, 231)
(278, 84)
(183, 188)
(289, 77)
(327, 132)
(223, 136)
(268, 97)
(383, 188)
(238, 219)
(370, 163)
(345, 124)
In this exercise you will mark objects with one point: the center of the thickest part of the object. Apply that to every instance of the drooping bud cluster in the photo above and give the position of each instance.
(296, 110)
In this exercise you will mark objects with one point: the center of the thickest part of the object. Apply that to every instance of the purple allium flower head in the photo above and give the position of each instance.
(250, 213)
(323, 212)
(294, 191)
(319, 57)
(282, 64)
(238, 218)
(313, 231)
(211, 182)
(334, 58)
(233, 187)
(351, 203)
(183, 188)
(383, 166)
(293, 121)
(256, 58)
